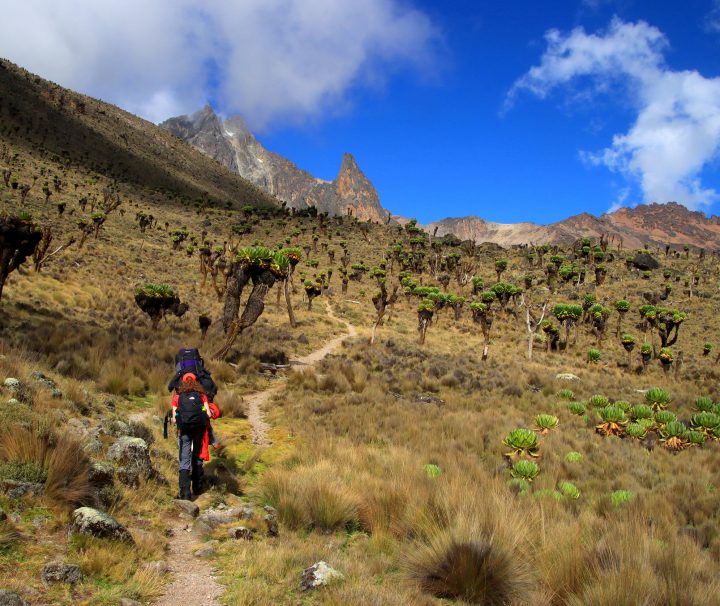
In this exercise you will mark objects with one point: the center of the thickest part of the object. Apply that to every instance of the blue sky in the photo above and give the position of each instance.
(513, 111)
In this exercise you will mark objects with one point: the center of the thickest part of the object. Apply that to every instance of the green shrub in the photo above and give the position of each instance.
(577, 408)
(569, 490)
(621, 497)
(573, 457)
(23, 472)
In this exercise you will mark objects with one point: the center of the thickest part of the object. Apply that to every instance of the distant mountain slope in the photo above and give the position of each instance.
(656, 224)
(41, 117)
(232, 144)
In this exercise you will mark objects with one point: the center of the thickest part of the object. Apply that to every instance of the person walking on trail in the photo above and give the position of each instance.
(191, 413)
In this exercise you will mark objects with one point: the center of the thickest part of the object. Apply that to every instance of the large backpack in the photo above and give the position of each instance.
(190, 415)
(189, 360)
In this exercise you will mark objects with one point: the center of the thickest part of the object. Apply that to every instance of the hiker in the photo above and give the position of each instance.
(192, 412)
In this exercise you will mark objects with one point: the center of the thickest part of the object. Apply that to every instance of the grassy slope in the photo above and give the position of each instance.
(351, 438)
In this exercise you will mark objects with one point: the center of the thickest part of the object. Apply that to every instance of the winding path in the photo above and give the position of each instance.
(194, 582)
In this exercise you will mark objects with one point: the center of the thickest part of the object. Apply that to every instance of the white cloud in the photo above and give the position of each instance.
(677, 129)
(712, 19)
(270, 60)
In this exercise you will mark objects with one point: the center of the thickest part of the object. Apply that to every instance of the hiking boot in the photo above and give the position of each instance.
(197, 481)
(184, 481)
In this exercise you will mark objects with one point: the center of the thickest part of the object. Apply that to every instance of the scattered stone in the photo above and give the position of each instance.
(109, 403)
(117, 428)
(140, 430)
(567, 376)
(319, 574)
(645, 262)
(93, 522)
(303, 339)
(241, 532)
(59, 572)
(79, 428)
(271, 521)
(205, 552)
(187, 507)
(10, 598)
(41, 379)
(216, 517)
(133, 456)
(16, 490)
(428, 399)
(93, 446)
(128, 602)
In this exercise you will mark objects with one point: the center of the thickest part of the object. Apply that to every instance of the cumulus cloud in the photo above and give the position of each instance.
(677, 129)
(712, 19)
(270, 60)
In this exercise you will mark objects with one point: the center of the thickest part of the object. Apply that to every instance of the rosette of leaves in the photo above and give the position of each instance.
(663, 417)
(666, 356)
(424, 292)
(156, 300)
(568, 272)
(565, 394)
(657, 398)
(577, 408)
(598, 401)
(573, 457)
(519, 485)
(522, 442)
(613, 418)
(674, 436)
(500, 266)
(293, 253)
(477, 284)
(594, 355)
(487, 297)
(557, 260)
(648, 313)
(695, 438)
(622, 306)
(546, 422)
(628, 342)
(704, 404)
(432, 470)
(641, 411)
(567, 312)
(569, 490)
(636, 430)
(621, 497)
(588, 301)
(707, 348)
(525, 470)
(707, 423)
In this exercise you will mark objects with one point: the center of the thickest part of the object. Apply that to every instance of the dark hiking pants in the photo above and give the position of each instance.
(189, 447)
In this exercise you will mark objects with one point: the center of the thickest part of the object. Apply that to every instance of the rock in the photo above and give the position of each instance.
(93, 522)
(241, 532)
(41, 379)
(271, 521)
(303, 339)
(133, 456)
(9, 598)
(15, 490)
(187, 507)
(645, 262)
(19, 390)
(319, 574)
(140, 430)
(567, 376)
(101, 474)
(93, 446)
(59, 572)
(117, 428)
(78, 427)
(213, 518)
(128, 602)
(205, 552)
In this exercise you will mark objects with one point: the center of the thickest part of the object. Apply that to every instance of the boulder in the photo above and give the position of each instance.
(319, 574)
(241, 532)
(96, 523)
(15, 489)
(19, 390)
(133, 457)
(101, 474)
(128, 602)
(271, 521)
(10, 598)
(59, 572)
(187, 507)
(567, 376)
(645, 262)
(158, 567)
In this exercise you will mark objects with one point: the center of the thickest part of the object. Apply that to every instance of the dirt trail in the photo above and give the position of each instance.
(194, 582)
(256, 400)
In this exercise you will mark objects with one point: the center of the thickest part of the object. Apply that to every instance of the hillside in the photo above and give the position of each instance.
(231, 143)
(469, 454)
(77, 131)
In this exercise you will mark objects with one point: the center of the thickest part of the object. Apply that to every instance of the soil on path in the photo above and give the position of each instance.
(256, 400)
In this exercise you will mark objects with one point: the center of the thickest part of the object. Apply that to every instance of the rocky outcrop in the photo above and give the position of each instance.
(319, 574)
(232, 144)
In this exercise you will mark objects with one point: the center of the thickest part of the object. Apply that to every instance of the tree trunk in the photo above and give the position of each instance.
(238, 279)
(288, 302)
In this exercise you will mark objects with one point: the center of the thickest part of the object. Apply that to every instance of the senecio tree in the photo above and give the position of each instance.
(19, 237)
(425, 312)
(482, 314)
(568, 315)
(156, 300)
(260, 266)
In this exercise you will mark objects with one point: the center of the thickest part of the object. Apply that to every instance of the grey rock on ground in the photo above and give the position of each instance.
(187, 507)
(19, 390)
(567, 376)
(271, 521)
(319, 574)
(60, 572)
(128, 602)
(15, 490)
(158, 567)
(101, 474)
(93, 522)
(10, 598)
(133, 456)
(212, 518)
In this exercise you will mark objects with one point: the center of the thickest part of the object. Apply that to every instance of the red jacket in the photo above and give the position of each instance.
(213, 412)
